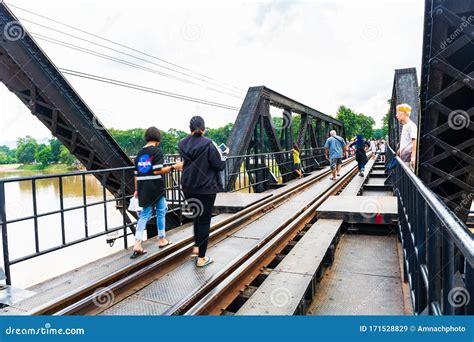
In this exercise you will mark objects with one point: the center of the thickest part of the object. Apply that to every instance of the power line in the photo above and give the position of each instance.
(122, 61)
(126, 54)
(116, 43)
(146, 89)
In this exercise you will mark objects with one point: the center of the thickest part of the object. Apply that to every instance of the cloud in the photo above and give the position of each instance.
(321, 53)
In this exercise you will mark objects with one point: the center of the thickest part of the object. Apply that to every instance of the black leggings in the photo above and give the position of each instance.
(202, 222)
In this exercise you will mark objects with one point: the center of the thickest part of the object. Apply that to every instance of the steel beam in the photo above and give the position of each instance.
(28, 72)
(405, 90)
(446, 147)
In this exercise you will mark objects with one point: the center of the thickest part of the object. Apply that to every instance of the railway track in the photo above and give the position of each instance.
(130, 279)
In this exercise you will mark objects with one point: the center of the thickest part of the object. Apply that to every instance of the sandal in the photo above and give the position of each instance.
(166, 244)
(205, 263)
(136, 254)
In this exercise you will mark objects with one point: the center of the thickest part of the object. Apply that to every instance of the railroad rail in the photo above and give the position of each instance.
(133, 277)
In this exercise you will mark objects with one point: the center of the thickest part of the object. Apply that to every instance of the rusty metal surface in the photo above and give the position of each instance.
(355, 185)
(175, 285)
(232, 202)
(135, 307)
(70, 281)
(364, 279)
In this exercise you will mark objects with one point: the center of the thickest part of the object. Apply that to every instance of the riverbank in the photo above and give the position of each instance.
(38, 167)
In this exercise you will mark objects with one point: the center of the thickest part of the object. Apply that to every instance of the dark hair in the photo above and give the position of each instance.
(197, 125)
(152, 134)
(296, 147)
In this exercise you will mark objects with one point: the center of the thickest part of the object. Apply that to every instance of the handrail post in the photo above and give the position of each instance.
(124, 211)
(3, 218)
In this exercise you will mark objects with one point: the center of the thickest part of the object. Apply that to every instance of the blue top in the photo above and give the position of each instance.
(335, 145)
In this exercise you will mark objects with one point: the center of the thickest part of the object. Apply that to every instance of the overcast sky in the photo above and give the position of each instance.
(321, 53)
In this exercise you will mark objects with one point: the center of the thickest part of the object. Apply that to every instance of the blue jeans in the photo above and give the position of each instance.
(145, 216)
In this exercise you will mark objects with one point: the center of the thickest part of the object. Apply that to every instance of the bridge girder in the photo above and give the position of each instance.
(446, 143)
(29, 74)
(254, 131)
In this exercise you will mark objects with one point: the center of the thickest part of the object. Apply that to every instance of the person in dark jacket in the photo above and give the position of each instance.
(150, 188)
(200, 181)
(360, 145)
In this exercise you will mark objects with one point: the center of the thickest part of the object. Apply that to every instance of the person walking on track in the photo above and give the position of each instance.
(360, 144)
(335, 149)
(202, 162)
(150, 188)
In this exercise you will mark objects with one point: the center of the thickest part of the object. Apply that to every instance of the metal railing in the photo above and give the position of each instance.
(280, 165)
(438, 249)
(257, 171)
(172, 190)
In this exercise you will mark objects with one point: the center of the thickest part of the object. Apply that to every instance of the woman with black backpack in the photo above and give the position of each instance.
(200, 181)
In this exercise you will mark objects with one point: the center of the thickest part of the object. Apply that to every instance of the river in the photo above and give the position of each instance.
(19, 203)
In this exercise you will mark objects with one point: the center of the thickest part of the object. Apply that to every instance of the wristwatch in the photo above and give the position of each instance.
(172, 168)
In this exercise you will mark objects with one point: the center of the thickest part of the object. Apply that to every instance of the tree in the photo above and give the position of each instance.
(130, 140)
(221, 134)
(55, 149)
(385, 120)
(65, 157)
(355, 123)
(26, 149)
(378, 133)
(3, 157)
(7, 155)
(44, 154)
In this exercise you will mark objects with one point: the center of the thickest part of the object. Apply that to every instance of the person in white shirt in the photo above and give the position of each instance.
(373, 148)
(382, 151)
(407, 149)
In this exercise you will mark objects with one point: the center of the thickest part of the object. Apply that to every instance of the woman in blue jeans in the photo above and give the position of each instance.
(150, 189)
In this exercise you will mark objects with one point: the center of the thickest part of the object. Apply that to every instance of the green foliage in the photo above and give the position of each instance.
(130, 140)
(355, 123)
(378, 133)
(385, 120)
(3, 158)
(26, 149)
(65, 157)
(385, 124)
(220, 135)
(55, 150)
(44, 154)
(7, 155)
